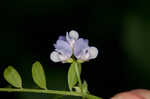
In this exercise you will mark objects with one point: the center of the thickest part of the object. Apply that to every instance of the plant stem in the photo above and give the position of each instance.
(40, 91)
(66, 93)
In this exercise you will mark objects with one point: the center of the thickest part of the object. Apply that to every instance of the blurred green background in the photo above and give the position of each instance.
(119, 29)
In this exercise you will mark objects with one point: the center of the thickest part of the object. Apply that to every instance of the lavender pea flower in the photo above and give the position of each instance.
(71, 44)
(62, 53)
(64, 47)
(83, 51)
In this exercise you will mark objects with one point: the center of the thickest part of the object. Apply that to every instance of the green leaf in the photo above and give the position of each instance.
(72, 77)
(38, 75)
(12, 77)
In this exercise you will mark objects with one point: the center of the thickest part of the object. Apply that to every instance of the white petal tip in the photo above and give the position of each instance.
(74, 34)
(54, 56)
(93, 52)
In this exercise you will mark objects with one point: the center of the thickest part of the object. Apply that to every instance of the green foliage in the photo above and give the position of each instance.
(38, 75)
(12, 77)
(72, 76)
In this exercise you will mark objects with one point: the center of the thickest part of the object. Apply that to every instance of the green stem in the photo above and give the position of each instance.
(66, 93)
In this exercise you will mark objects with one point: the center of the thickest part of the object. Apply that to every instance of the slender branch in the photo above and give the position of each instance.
(66, 93)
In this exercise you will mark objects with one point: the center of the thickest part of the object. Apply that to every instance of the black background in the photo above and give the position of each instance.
(29, 28)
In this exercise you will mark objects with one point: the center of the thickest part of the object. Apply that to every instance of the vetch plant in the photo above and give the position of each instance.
(68, 49)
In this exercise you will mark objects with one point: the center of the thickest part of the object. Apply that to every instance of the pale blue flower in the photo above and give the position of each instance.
(63, 51)
(71, 44)
(83, 51)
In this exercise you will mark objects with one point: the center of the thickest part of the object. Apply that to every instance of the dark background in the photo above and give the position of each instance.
(119, 29)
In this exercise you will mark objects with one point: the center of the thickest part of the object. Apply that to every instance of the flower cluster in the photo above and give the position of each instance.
(70, 46)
